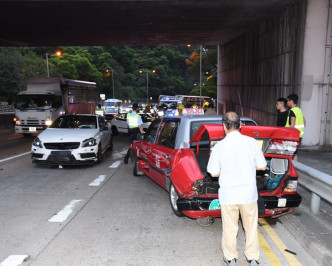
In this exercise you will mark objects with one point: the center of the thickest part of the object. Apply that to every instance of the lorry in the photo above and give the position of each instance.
(46, 98)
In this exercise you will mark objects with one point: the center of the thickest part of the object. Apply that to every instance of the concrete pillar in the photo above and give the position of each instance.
(315, 203)
(315, 96)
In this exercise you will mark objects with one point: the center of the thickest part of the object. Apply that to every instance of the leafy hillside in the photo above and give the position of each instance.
(176, 69)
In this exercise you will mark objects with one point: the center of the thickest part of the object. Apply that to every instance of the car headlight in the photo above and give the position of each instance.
(36, 142)
(89, 142)
(48, 122)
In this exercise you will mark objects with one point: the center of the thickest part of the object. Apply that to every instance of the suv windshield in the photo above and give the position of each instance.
(75, 121)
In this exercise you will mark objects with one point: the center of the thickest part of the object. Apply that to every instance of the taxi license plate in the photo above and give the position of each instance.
(214, 205)
(32, 129)
(282, 202)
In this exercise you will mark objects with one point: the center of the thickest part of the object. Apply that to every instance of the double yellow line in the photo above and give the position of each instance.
(272, 257)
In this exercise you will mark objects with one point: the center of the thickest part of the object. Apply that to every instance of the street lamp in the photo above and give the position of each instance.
(153, 71)
(112, 73)
(57, 53)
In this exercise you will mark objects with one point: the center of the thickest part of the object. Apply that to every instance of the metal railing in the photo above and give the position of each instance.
(319, 183)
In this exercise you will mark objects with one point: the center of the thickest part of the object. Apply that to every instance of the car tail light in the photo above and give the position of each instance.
(284, 147)
(291, 186)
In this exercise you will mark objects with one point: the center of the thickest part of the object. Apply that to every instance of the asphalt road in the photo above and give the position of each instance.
(103, 215)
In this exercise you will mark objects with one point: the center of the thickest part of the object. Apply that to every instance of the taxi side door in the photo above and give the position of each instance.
(162, 151)
(145, 148)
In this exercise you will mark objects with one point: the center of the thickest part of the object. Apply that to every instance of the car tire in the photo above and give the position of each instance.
(110, 148)
(136, 171)
(115, 130)
(100, 155)
(173, 197)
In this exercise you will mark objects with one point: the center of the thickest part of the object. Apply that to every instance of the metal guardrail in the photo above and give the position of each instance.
(319, 183)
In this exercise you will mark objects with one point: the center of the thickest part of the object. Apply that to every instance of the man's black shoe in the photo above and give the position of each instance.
(125, 160)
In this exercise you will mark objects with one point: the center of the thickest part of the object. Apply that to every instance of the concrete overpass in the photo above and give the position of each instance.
(267, 49)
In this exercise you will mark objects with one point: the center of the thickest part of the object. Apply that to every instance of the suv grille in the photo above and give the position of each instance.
(62, 146)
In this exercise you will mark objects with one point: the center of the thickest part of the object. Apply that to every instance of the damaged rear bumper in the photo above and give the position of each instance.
(269, 206)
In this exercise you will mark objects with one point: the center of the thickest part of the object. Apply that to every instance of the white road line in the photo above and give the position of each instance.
(97, 181)
(13, 157)
(64, 213)
(115, 164)
(14, 260)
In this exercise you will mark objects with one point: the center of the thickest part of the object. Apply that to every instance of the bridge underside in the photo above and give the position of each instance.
(135, 22)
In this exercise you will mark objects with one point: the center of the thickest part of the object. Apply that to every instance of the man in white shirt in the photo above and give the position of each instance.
(235, 160)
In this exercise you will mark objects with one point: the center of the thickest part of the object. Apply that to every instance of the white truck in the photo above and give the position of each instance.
(45, 99)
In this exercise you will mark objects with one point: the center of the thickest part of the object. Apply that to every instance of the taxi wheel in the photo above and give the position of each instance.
(99, 155)
(173, 197)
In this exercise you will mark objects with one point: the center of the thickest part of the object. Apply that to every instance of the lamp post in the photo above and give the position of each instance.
(57, 53)
(112, 73)
(153, 71)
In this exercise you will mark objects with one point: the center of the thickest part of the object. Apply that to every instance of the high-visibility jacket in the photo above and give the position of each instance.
(299, 121)
(99, 112)
(132, 120)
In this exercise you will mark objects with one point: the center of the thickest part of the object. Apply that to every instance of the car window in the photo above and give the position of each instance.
(151, 133)
(168, 134)
(75, 121)
(248, 123)
(195, 125)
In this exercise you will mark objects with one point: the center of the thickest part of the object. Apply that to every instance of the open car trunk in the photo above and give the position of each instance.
(278, 145)
(277, 186)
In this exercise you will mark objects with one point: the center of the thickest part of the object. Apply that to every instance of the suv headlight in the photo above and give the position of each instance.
(36, 142)
(89, 142)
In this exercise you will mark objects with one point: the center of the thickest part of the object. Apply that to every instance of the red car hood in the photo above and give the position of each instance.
(274, 141)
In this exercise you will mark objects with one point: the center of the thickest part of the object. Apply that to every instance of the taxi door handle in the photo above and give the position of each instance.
(149, 150)
(167, 156)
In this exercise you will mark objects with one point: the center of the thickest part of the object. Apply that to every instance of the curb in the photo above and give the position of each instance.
(314, 246)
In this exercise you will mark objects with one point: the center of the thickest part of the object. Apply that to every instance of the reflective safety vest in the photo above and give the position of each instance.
(299, 121)
(99, 112)
(132, 120)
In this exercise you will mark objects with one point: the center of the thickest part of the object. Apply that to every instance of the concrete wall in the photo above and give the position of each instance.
(261, 66)
(291, 53)
(316, 100)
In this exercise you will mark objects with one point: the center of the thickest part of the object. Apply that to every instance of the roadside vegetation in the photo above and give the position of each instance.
(177, 69)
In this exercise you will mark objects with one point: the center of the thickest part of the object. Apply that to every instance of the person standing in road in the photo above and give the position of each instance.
(295, 117)
(134, 122)
(282, 115)
(235, 160)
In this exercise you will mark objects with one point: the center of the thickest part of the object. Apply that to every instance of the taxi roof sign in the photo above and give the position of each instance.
(193, 111)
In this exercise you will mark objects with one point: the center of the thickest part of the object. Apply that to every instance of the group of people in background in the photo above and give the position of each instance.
(290, 115)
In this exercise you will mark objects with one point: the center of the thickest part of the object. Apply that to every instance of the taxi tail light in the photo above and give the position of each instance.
(197, 184)
(283, 147)
(291, 186)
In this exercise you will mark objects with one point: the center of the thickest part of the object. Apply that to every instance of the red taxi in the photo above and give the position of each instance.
(175, 153)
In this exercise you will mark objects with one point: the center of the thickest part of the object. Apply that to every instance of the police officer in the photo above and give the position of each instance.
(295, 117)
(134, 122)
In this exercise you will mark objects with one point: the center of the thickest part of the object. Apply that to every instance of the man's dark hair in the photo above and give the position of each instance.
(231, 120)
(282, 100)
(293, 97)
(135, 106)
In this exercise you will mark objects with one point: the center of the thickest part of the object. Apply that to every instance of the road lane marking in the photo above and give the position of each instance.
(14, 260)
(115, 164)
(16, 156)
(64, 213)
(291, 258)
(271, 256)
(97, 181)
